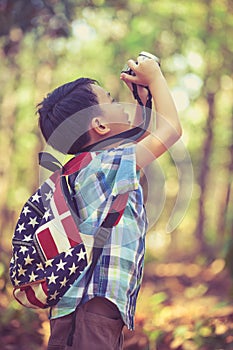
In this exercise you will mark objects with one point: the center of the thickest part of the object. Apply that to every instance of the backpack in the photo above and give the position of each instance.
(48, 252)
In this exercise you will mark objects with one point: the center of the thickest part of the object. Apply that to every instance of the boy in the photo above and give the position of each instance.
(110, 300)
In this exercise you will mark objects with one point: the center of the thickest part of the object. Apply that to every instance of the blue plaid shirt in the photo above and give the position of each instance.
(118, 273)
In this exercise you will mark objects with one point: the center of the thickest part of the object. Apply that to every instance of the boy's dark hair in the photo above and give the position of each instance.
(61, 125)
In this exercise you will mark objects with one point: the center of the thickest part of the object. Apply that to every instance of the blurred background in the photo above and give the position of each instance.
(185, 301)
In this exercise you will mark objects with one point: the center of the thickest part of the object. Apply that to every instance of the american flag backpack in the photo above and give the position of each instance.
(48, 252)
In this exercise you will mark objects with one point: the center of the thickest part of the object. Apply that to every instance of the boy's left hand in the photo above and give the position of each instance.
(143, 93)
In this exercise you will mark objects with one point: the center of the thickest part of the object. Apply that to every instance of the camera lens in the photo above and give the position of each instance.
(127, 70)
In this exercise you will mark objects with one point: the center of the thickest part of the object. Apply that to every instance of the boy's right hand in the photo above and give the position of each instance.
(146, 71)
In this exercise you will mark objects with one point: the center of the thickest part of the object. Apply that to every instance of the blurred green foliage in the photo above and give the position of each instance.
(44, 43)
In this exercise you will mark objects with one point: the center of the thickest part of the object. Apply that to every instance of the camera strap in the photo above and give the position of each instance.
(146, 110)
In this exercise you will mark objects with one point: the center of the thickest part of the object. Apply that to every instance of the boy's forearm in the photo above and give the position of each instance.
(164, 105)
(138, 119)
(167, 126)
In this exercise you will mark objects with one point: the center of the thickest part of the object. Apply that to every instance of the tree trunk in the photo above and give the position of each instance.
(225, 223)
(203, 175)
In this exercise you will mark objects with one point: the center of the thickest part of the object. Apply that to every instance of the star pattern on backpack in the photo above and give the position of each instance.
(30, 264)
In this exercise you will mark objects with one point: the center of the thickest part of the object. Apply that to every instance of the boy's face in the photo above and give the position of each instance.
(113, 113)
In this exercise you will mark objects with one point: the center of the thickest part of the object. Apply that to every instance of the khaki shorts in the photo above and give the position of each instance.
(98, 327)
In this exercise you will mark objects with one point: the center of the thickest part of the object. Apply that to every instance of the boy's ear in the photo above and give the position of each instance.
(101, 128)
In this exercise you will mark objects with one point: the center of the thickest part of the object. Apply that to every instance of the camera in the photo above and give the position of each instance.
(143, 54)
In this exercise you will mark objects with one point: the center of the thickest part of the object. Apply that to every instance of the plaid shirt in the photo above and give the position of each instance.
(118, 273)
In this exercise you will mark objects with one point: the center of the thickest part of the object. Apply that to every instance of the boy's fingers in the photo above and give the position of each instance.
(128, 78)
(132, 64)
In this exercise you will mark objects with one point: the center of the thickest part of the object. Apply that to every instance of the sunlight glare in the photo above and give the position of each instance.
(82, 31)
(195, 60)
